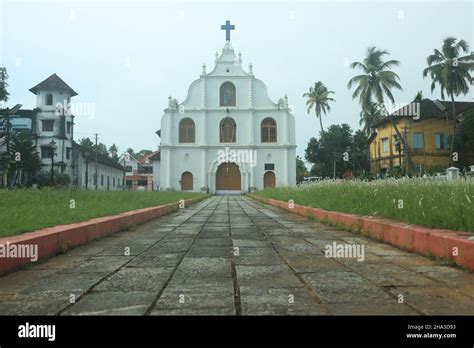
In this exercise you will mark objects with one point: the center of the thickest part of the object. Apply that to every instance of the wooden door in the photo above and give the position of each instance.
(228, 177)
(186, 181)
(269, 180)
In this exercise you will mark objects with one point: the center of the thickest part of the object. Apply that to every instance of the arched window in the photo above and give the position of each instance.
(269, 130)
(187, 131)
(187, 181)
(227, 130)
(49, 99)
(227, 94)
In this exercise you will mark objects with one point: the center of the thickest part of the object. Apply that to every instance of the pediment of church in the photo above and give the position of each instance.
(250, 91)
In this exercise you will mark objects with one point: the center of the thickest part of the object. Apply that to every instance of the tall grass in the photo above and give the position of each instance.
(426, 202)
(29, 210)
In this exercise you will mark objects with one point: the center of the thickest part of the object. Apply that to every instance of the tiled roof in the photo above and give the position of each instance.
(105, 160)
(53, 82)
(429, 109)
(155, 156)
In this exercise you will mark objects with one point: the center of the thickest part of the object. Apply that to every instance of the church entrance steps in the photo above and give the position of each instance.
(231, 255)
(456, 246)
(228, 192)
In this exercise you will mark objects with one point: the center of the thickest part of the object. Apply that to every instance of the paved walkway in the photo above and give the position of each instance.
(231, 255)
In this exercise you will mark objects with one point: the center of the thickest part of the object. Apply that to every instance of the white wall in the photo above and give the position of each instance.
(102, 170)
(202, 106)
(156, 174)
(48, 112)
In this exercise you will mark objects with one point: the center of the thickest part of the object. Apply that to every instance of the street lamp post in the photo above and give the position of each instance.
(53, 147)
(86, 155)
(125, 158)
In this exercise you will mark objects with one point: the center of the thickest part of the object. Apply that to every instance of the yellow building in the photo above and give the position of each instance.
(427, 128)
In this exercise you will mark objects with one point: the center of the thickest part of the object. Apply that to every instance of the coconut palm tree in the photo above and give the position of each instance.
(419, 97)
(377, 79)
(451, 71)
(318, 98)
(375, 83)
(369, 116)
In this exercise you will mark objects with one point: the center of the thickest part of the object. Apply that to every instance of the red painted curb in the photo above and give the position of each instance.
(52, 241)
(448, 244)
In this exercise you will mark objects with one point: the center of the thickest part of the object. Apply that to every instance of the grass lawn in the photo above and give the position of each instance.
(29, 210)
(425, 202)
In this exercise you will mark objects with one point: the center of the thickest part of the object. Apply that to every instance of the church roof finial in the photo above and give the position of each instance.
(227, 27)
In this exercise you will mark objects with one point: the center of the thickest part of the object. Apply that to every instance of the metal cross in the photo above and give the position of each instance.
(227, 27)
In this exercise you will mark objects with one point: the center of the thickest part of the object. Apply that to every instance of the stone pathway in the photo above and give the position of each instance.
(231, 255)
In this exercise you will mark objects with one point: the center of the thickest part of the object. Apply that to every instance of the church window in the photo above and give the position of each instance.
(46, 152)
(49, 99)
(48, 125)
(187, 131)
(269, 130)
(228, 130)
(227, 94)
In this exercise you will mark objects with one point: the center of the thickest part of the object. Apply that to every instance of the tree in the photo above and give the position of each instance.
(376, 83)
(143, 153)
(318, 98)
(131, 152)
(419, 97)
(86, 142)
(24, 159)
(328, 149)
(360, 152)
(464, 139)
(3, 85)
(301, 170)
(377, 80)
(451, 71)
(369, 116)
(100, 148)
(113, 152)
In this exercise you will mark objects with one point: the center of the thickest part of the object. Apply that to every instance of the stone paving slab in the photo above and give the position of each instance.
(113, 303)
(234, 256)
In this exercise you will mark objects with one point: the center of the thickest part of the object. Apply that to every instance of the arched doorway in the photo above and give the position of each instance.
(269, 180)
(228, 179)
(186, 181)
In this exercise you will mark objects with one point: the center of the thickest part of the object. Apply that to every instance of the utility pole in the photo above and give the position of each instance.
(334, 165)
(8, 150)
(405, 148)
(86, 155)
(96, 149)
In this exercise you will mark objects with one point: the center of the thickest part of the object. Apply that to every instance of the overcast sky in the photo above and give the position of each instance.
(126, 57)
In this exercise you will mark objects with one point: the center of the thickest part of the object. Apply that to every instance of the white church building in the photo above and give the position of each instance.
(227, 136)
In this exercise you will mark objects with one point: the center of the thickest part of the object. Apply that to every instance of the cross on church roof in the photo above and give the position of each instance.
(227, 27)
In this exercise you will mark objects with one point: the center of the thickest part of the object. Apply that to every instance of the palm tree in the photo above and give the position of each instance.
(369, 117)
(376, 83)
(419, 97)
(451, 72)
(377, 80)
(319, 98)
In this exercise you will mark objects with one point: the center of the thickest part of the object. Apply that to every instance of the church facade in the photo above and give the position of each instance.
(227, 136)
